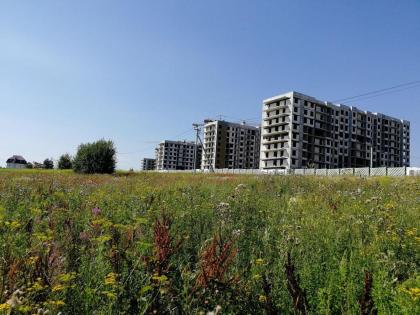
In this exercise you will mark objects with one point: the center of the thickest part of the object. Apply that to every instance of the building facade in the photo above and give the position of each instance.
(16, 161)
(230, 145)
(148, 164)
(299, 131)
(177, 155)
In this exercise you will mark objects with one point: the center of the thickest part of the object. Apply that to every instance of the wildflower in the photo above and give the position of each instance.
(14, 225)
(223, 205)
(109, 294)
(216, 310)
(256, 276)
(37, 286)
(56, 303)
(240, 187)
(24, 309)
(58, 287)
(111, 279)
(223, 211)
(158, 278)
(66, 277)
(32, 260)
(102, 222)
(103, 238)
(411, 232)
(292, 201)
(96, 211)
(162, 291)
(259, 261)
(414, 293)
(262, 298)
(4, 307)
(236, 233)
(145, 289)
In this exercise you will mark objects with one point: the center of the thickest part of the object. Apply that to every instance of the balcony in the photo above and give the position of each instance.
(275, 149)
(287, 113)
(273, 124)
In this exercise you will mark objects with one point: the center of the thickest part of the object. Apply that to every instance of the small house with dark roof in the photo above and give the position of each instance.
(16, 161)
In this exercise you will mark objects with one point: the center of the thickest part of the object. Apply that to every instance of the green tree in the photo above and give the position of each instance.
(64, 162)
(96, 157)
(48, 164)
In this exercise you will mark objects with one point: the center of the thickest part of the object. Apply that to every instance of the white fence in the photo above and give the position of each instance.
(360, 172)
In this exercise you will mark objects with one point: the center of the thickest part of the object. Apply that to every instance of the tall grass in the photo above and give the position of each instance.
(187, 244)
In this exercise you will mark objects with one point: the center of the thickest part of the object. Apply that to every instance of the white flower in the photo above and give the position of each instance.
(236, 232)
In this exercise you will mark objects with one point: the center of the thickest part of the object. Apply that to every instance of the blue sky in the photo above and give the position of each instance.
(137, 72)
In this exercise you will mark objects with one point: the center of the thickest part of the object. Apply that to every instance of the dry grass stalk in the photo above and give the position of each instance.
(298, 295)
(367, 306)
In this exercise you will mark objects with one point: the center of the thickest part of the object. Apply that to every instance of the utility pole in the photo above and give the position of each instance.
(197, 129)
(371, 156)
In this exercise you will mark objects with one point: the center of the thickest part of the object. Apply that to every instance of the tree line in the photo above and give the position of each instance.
(95, 157)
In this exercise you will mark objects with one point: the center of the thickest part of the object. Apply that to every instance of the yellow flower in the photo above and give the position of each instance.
(111, 279)
(42, 237)
(58, 287)
(102, 222)
(37, 286)
(56, 302)
(4, 307)
(14, 225)
(411, 232)
(110, 295)
(414, 293)
(66, 277)
(158, 278)
(24, 308)
(262, 298)
(257, 277)
(32, 260)
(103, 238)
(259, 261)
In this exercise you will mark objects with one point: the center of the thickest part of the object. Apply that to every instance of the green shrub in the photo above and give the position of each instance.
(48, 164)
(96, 157)
(65, 162)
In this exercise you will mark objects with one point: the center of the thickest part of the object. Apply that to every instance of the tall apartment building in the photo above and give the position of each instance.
(230, 145)
(177, 155)
(148, 164)
(299, 131)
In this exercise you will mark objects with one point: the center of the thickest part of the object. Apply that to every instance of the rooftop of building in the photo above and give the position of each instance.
(177, 142)
(243, 124)
(292, 94)
(18, 159)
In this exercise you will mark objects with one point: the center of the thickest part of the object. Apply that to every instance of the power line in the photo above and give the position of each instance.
(154, 142)
(415, 83)
(385, 93)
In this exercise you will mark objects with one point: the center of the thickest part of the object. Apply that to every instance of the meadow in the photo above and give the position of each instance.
(153, 243)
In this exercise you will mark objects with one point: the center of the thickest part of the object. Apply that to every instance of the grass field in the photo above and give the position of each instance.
(199, 244)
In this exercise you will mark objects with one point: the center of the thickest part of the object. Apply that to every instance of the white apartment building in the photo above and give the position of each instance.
(230, 145)
(300, 131)
(177, 155)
